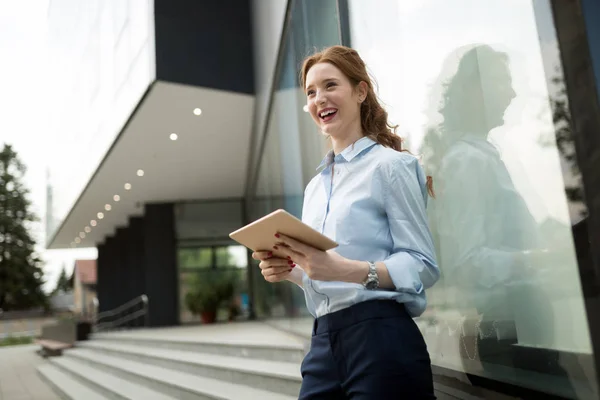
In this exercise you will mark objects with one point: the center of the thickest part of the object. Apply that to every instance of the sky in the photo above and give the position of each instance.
(25, 101)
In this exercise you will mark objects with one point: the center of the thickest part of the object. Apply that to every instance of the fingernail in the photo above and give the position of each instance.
(270, 254)
(277, 235)
(289, 258)
(290, 270)
(293, 265)
(275, 247)
(290, 262)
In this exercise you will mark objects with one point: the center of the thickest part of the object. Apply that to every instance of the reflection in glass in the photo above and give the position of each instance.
(472, 98)
(491, 249)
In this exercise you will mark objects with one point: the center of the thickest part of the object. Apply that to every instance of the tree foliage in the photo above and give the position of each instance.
(21, 277)
(64, 283)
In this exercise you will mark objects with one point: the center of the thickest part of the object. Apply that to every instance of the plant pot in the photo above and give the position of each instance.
(208, 317)
(83, 330)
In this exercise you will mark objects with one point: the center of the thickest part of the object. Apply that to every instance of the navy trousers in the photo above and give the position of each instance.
(370, 351)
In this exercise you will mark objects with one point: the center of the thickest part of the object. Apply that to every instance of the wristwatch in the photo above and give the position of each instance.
(372, 281)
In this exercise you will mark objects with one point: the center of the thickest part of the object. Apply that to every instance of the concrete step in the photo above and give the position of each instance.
(277, 376)
(150, 372)
(65, 386)
(108, 385)
(255, 340)
(294, 352)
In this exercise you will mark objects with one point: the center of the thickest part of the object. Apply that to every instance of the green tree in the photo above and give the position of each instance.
(21, 277)
(563, 138)
(63, 284)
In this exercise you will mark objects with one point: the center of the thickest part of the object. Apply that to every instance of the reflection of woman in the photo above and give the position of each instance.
(482, 223)
(485, 235)
(369, 197)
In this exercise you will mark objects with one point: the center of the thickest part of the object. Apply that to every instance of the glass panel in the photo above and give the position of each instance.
(293, 146)
(194, 258)
(208, 220)
(227, 288)
(213, 273)
(231, 256)
(469, 91)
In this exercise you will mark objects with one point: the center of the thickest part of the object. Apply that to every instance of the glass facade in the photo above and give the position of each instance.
(207, 258)
(480, 97)
(292, 148)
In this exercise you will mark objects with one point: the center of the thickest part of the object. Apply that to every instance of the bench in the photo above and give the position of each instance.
(51, 348)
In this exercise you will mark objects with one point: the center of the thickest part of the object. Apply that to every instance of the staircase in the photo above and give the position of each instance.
(238, 361)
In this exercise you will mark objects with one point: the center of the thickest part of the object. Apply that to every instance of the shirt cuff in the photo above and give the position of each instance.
(405, 273)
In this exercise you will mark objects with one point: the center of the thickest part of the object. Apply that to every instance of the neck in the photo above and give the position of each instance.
(339, 143)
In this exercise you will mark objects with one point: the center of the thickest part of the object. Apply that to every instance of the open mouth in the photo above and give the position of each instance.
(327, 114)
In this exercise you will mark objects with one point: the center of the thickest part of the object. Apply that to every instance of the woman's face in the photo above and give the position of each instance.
(332, 100)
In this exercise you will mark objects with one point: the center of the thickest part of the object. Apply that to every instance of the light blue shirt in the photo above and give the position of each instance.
(371, 200)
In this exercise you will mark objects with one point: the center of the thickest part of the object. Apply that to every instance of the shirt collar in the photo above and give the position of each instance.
(349, 153)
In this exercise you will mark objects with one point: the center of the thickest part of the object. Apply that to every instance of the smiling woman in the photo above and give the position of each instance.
(380, 271)
(339, 91)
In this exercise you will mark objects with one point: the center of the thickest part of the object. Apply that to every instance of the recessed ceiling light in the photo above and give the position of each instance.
(87, 229)
(107, 207)
(305, 108)
(140, 172)
(173, 136)
(116, 197)
(77, 240)
(127, 186)
(197, 111)
(82, 235)
(93, 222)
(100, 215)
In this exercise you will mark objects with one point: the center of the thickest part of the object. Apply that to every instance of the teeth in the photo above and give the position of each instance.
(326, 113)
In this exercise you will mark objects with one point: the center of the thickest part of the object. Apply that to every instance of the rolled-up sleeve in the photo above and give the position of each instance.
(411, 264)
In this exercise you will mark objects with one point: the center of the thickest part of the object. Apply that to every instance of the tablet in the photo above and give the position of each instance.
(260, 234)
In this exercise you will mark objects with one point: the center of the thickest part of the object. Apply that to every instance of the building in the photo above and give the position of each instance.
(184, 120)
(84, 287)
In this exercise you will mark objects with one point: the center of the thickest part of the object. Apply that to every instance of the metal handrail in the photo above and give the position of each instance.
(122, 315)
(126, 318)
(141, 298)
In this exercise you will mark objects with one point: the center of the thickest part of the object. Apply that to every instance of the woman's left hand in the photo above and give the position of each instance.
(318, 264)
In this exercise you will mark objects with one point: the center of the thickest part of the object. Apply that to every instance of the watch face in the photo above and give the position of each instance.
(371, 285)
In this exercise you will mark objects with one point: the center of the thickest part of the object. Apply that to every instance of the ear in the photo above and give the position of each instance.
(362, 89)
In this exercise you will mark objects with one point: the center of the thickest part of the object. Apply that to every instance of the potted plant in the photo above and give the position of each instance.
(208, 292)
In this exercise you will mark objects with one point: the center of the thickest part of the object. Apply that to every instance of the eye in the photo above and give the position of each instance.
(310, 92)
(331, 84)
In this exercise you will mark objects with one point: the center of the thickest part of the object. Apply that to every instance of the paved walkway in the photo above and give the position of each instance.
(18, 377)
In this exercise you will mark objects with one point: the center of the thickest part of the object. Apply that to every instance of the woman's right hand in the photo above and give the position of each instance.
(273, 269)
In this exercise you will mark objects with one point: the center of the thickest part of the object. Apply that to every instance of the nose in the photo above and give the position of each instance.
(319, 97)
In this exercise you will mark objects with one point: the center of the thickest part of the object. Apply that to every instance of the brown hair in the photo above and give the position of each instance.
(373, 117)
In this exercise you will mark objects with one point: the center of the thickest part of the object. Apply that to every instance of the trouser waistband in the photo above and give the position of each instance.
(357, 313)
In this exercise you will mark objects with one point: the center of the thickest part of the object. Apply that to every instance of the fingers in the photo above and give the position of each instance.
(293, 243)
(277, 277)
(288, 252)
(277, 274)
(262, 255)
(276, 263)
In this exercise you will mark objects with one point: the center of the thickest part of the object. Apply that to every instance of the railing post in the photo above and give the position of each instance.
(145, 305)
